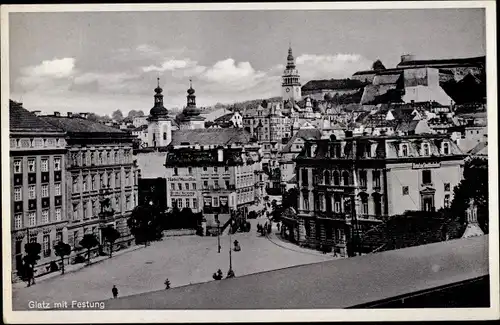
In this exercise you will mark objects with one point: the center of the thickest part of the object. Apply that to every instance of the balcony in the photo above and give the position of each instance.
(331, 215)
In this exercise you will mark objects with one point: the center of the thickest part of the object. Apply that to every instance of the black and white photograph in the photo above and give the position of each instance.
(249, 162)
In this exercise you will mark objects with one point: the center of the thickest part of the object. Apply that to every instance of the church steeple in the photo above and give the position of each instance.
(290, 60)
(158, 108)
(191, 98)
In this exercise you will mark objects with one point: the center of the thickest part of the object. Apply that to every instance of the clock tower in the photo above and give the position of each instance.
(291, 80)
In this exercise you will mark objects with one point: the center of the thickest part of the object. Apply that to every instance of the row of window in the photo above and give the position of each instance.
(205, 169)
(104, 181)
(36, 143)
(99, 158)
(336, 234)
(425, 149)
(406, 189)
(44, 165)
(186, 187)
(186, 203)
(92, 208)
(18, 191)
(32, 220)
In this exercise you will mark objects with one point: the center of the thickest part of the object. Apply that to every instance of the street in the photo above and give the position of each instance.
(183, 260)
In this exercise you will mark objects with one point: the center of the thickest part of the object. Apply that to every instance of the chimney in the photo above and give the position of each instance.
(407, 57)
(57, 114)
(37, 113)
(70, 114)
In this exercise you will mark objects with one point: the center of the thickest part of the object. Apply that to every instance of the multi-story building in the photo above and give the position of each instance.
(37, 178)
(292, 149)
(212, 170)
(357, 181)
(98, 164)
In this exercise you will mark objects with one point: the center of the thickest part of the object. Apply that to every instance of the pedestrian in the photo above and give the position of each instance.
(115, 291)
(278, 225)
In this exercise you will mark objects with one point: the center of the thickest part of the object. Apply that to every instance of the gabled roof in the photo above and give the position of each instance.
(80, 125)
(407, 126)
(140, 128)
(22, 120)
(306, 133)
(224, 118)
(205, 137)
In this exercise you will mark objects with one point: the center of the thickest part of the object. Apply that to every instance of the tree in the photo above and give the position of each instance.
(105, 118)
(378, 65)
(62, 249)
(133, 113)
(117, 115)
(32, 256)
(110, 235)
(290, 198)
(88, 242)
(474, 185)
(93, 117)
(146, 223)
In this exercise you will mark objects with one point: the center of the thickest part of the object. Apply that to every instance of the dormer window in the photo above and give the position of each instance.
(425, 149)
(404, 150)
(446, 148)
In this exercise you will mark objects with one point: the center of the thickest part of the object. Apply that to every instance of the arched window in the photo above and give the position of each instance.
(327, 177)
(336, 178)
(164, 135)
(446, 148)
(425, 149)
(345, 178)
(404, 150)
(377, 204)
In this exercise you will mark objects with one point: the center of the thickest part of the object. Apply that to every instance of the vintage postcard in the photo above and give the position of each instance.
(249, 162)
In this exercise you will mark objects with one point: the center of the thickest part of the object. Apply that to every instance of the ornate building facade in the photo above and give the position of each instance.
(37, 183)
(159, 123)
(349, 185)
(99, 164)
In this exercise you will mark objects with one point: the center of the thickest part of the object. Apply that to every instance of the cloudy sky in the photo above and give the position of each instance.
(103, 61)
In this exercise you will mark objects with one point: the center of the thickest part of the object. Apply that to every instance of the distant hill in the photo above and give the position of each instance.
(239, 106)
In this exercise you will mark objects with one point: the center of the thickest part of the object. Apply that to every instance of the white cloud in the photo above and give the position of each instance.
(171, 65)
(313, 66)
(57, 68)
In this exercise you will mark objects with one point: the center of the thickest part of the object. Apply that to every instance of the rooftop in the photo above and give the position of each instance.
(81, 125)
(333, 84)
(205, 137)
(22, 120)
(480, 60)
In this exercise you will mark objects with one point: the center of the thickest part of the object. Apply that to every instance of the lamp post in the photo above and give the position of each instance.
(218, 232)
(230, 272)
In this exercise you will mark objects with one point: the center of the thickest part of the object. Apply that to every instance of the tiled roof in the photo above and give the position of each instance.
(224, 118)
(333, 84)
(80, 125)
(140, 128)
(205, 137)
(461, 61)
(302, 133)
(407, 126)
(20, 119)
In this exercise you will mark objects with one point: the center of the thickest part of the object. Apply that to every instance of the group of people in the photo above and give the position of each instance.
(263, 229)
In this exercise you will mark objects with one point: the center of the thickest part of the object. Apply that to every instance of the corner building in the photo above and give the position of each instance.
(37, 183)
(359, 181)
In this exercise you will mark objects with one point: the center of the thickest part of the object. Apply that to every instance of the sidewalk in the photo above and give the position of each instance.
(75, 267)
(276, 239)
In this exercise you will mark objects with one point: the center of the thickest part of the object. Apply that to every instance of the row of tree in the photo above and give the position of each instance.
(62, 250)
(115, 116)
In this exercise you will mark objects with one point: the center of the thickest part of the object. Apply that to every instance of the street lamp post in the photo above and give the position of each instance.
(230, 259)
(218, 233)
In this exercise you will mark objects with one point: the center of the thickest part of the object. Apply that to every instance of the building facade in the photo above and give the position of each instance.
(350, 185)
(213, 171)
(99, 164)
(38, 180)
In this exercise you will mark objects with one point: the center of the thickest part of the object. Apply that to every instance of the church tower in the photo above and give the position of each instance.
(159, 124)
(291, 80)
(191, 118)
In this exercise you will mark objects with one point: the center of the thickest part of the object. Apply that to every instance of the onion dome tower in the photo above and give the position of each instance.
(158, 110)
(191, 118)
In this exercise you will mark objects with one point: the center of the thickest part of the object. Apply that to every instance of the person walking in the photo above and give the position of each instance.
(115, 291)
(278, 225)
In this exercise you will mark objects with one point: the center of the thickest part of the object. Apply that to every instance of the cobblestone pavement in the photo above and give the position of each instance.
(183, 260)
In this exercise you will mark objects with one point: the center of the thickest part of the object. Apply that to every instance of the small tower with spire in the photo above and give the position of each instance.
(291, 87)
(159, 124)
(191, 118)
